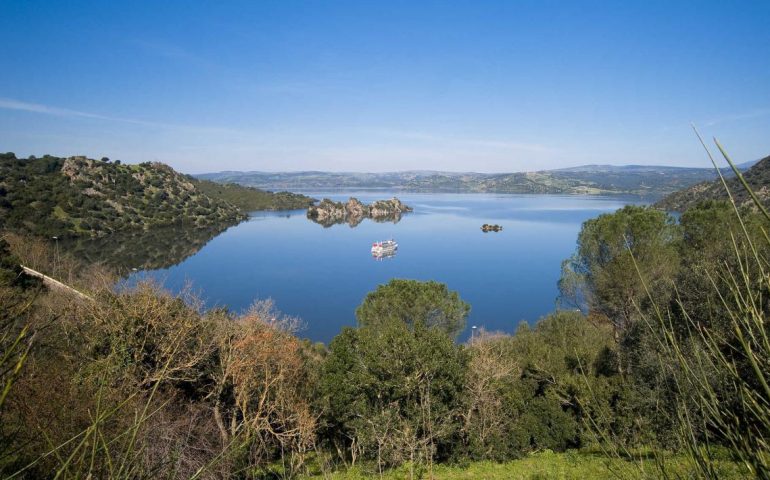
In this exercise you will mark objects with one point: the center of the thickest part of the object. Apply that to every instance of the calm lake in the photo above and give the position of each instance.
(321, 274)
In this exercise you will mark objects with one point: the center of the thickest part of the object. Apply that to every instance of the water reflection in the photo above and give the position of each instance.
(322, 274)
(144, 250)
(380, 256)
(354, 221)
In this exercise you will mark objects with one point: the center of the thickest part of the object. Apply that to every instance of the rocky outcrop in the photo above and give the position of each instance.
(491, 228)
(352, 212)
(384, 208)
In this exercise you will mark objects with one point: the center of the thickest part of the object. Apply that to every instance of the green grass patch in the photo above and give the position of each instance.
(546, 465)
(59, 213)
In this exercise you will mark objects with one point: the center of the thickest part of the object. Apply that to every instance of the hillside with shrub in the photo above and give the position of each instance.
(82, 197)
(757, 177)
(77, 196)
(250, 199)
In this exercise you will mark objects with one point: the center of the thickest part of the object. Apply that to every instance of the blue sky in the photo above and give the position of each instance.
(373, 86)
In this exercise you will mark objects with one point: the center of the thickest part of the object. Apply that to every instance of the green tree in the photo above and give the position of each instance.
(532, 390)
(391, 393)
(411, 302)
(711, 233)
(602, 275)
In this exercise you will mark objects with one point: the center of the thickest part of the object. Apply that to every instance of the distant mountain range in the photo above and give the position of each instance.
(586, 179)
(758, 178)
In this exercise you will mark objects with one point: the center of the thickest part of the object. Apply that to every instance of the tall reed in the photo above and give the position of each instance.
(721, 372)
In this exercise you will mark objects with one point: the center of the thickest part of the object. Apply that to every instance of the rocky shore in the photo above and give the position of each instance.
(352, 212)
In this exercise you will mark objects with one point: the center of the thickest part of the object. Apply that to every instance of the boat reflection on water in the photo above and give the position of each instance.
(384, 249)
(382, 256)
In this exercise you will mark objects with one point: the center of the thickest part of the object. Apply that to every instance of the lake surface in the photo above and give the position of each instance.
(322, 274)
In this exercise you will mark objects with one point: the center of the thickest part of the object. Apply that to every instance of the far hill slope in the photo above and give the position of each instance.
(250, 199)
(758, 178)
(632, 179)
(77, 197)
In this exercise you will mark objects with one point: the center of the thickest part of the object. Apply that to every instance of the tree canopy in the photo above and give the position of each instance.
(620, 257)
(411, 301)
(391, 392)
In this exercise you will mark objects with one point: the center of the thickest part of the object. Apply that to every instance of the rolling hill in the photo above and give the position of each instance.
(758, 178)
(82, 197)
(589, 179)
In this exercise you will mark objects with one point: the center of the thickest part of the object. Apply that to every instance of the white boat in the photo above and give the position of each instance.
(384, 248)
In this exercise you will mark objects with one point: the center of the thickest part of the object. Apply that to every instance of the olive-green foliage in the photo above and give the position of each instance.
(391, 392)
(716, 341)
(711, 231)
(250, 199)
(17, 310)
(757, 177)
(702, 299)
(498, 398)
(76, 196)
(531, 390)
(11, 273)
(688, 303)
(719, 282)
(556, 357)
(617, 255)
(623, 261)
(412, 301)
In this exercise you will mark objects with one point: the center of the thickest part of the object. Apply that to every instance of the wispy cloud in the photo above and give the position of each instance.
(194, 148)
(13, 104)
(738, 116)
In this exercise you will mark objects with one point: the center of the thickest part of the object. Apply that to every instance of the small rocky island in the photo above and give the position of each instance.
(491, 228)
(328, 212)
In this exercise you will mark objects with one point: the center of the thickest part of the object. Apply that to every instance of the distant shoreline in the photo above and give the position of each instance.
(587, 180)
(315, 192)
